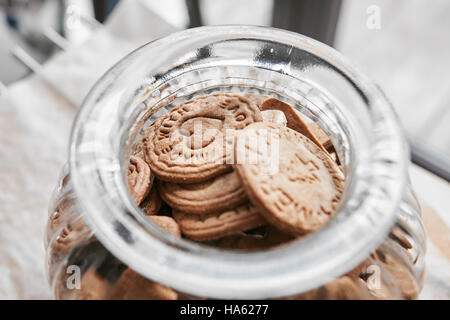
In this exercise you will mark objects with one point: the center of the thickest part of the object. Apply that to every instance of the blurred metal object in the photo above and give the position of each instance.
(103, 8)
(430, 160)
(195, 17)
(313, 18)
(28, 18)
(57, 38)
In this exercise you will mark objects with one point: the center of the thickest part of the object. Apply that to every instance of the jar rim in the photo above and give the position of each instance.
(209, 272)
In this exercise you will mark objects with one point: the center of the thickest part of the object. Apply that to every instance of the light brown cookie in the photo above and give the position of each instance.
(139, 179)
(343, 288)
(191, 142)
(152, 203)
(213, 195)
(217, 225)
(271, 237)
(274, 116)
(302, 191)
(133, 286)
(293, 119)
(168, 224)
(92, 287)
(320, 135)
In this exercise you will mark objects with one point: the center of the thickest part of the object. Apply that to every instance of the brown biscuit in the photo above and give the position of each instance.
(274, 116)
(302, 191)
(133, 286)
(168, 224)
(343, 288)
(191, 143)
(92, 287)
(213, 195)
(152, 203)
(139, 179)
(217, 225)
(271, 237)
(321, 136)
(293, 119)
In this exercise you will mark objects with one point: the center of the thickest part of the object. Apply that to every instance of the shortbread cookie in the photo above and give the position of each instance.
(139, 179)
(305, 188)
(152, 203)
(274, 116)
(168, 224)
(217, 225)
(213, 195)
(133, 286)
(293, 119)
(193, 141)
(320, 135)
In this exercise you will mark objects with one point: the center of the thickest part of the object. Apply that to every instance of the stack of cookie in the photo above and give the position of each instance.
(238, 172)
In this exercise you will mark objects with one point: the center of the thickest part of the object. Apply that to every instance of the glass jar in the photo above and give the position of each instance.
(96, 233)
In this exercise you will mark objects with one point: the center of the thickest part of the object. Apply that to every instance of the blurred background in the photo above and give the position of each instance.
(403, 45)
(53, 51)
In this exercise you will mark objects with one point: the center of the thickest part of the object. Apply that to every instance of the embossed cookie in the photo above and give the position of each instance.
(305, 188)
(152, 203)
(213, 195)
(139, 179)
(293, 119)
(133, 286)
(168, 224)
(217, 225)
(321, 136)
(274, 116)
(191, 143)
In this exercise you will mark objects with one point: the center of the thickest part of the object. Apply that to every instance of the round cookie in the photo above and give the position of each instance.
(303, 192)
(192, 142)
(216, 225)
(293, 119)
(152, 203)
(274, 116)
(139, 179)
(168, 224)
(213, 195)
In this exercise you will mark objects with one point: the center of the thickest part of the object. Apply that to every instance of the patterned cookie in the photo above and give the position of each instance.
(293, 119)
(139, 179)
(213, 195)
(167, 224)
(217, 225)
(303, 192)
(274, 116)
(133, 286)
(193, 141)
(152, 203)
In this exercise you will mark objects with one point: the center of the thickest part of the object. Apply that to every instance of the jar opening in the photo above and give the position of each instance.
(306, 74)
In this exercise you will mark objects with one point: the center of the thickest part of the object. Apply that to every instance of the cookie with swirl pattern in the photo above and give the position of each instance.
(216, 225)
(139, 179)
(304, 191)
(213, 195)
(193, 141)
